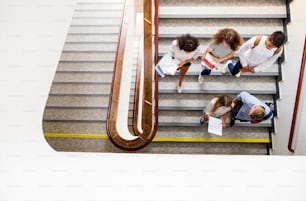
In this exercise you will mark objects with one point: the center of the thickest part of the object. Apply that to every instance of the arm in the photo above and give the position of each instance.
(243, 49)
(172, 47)
(224, 119)
(204, 54)
(195, 55)
(255, 121)
(182, 63)
(227, 57)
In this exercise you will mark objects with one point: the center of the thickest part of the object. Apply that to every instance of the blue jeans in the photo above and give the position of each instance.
(205, 71)
(234, 69)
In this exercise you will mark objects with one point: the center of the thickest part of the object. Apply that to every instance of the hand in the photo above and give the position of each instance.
(203, 56)
(252, 69)
(255, 121)
(216, 59)
(181, 64)
(234, 102)
(223, 124)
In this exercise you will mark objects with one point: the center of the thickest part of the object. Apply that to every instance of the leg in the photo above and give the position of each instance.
(234, 112)
(183, 72)
(205, 71)
(234, 69)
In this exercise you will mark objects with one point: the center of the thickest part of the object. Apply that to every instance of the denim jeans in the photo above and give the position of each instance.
(234, 69)
(205, 71)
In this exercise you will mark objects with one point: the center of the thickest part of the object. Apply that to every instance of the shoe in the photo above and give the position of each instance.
(201, 79)
(179, 89)
(232, 122)
(201, 120)
(238, 74)
(225, 67)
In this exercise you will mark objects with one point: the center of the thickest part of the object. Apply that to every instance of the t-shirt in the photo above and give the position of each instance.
(219, 50)
(181, 55)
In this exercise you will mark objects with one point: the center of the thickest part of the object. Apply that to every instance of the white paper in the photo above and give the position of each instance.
(215, 126)
(168, 65)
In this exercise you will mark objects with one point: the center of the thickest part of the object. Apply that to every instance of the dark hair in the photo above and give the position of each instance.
(187, 42)
(277, 38)
(230, 36)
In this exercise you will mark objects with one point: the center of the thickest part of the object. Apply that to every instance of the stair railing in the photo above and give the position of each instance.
(143, 134)
(297, 99)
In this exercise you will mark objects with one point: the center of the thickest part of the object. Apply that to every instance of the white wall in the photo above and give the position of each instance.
(291, 70)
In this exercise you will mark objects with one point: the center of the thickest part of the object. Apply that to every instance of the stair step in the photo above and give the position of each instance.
(86, 66)
(212, 3)
(68, 77)
(219, 84)
(234, 11)
(198, 101)
(75, 114)
(78, 101)
(95, 21)
(200, 134)
(206, 148)
(245, 27)
(192, 118)
(99, 6)
(81, 89)
(93, 47)
(107, 13)
(196, 68)
(111, 29)
(93, 127)
(87, 56)
(92, 38)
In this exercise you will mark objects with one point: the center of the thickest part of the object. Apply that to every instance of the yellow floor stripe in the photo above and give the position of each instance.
(159, 139)
(74, 135)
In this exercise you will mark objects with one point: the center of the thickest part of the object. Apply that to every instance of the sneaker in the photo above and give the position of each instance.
(201, 120)
(201, 79)
(225, 67)
(179, 89)
(238, 74)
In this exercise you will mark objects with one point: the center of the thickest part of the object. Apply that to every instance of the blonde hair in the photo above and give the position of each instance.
(222, 101)
(258, 114)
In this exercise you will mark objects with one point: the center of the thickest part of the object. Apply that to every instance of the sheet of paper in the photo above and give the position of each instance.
(215, 126)
(168, 65)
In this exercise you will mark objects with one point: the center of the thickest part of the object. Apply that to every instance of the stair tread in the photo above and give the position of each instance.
(75, 114)
(219, 83)
(201, 132)
(233, 11)
(246, 28)
(77, 101)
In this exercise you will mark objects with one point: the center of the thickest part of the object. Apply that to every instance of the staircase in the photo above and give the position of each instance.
(76, 110)
(179, 128)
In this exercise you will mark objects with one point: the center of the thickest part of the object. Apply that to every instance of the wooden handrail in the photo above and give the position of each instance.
(145, 136)
(297, 99)
(156, 34)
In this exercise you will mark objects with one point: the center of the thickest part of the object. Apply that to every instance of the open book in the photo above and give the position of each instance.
(208, 61)
(166, 66)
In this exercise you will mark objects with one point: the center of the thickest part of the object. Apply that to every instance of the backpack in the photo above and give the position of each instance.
(258, 38)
